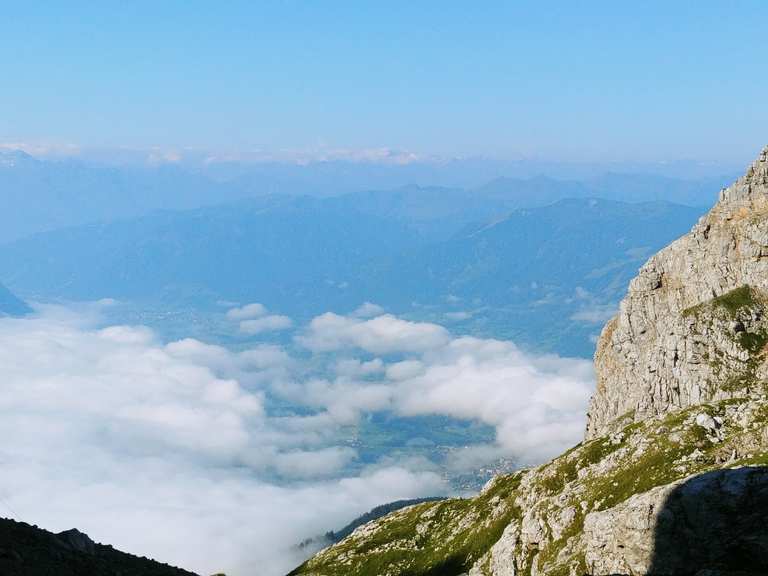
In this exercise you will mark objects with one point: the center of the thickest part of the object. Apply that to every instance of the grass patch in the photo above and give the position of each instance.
(460, 532)
(732, 302)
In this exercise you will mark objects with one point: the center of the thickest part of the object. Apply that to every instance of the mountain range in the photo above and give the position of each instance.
(42, 195)
(545, 276)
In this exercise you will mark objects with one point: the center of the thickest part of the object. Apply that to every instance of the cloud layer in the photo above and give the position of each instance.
(183, 443)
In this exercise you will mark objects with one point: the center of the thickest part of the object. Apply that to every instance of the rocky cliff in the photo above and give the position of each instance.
(671, 478)
(693, 325)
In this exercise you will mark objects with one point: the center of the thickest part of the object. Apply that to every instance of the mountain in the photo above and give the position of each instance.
(42, 195)
(281, 250)
(672, 477)
(27, 550)
(438, 213)
(10, 305)
(545, 277)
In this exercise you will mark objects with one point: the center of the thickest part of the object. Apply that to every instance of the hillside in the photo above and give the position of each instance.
(27, 550)
(672, 478)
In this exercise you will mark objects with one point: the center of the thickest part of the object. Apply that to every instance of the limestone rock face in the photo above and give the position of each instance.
(715, 520)
(667, 348)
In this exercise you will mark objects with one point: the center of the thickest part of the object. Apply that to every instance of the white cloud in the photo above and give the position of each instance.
(42, 149)
(270, 323)
(368, 310)
(254, 319)
(381, 335)
(98, 424)
(536, 403)
(595, 313)
(323, 154)
(352, 367)
(177, 440)
(246, 312)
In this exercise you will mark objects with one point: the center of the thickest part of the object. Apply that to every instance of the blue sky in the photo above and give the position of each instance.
(558, 80)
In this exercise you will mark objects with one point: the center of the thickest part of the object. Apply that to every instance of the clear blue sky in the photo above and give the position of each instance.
(564, 80)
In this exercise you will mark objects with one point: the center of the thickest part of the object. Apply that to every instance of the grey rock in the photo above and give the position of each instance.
(661, 353)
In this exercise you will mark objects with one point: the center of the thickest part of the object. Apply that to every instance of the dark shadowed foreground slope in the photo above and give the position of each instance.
(30, 551)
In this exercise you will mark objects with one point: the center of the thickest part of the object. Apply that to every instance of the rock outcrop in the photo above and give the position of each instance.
(672, 478)
(692, 326)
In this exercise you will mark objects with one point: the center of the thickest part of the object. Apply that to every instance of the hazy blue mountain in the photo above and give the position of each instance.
(436, 198)
(546, 277)
(439, 212)
(628, 187)
(10, 305)
(42, 195)
(292, 254)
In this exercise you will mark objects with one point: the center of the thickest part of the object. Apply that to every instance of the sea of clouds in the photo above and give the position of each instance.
(175, 450)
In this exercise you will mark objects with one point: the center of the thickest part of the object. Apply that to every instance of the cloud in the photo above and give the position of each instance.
(537, 404)
(42, 149)
(386, 156)
(368, 310)
(183, 443)
(176, 441)
(254, 319)
(381, 335)
(246, 312)
(595, 313)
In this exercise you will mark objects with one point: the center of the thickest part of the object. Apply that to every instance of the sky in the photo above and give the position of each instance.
(576, 81)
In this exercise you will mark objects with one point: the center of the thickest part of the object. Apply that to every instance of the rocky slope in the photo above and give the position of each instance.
(671, 478)
(27, 550)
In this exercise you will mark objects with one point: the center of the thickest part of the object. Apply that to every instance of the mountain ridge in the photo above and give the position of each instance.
(26, 550)
(243, 251)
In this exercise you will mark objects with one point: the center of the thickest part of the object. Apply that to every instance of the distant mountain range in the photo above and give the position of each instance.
(41, 195)
(546, 276)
